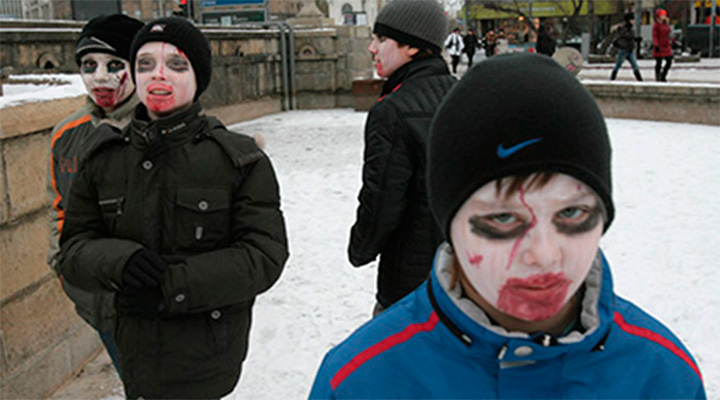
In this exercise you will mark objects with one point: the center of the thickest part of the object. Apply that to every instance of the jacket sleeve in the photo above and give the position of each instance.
(655, 35)
(387, 171)
(57, 212)
(253, 261)
(89, 258)
(321, 386)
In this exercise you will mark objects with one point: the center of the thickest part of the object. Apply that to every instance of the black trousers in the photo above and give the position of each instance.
(660, 72)
(470, 56)
(455, 62)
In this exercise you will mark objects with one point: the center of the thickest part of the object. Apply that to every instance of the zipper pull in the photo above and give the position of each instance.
(119, 209)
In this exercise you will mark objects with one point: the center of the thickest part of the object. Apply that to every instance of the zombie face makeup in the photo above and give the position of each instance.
(107, 79)
(165, 79)
(388, 55)
(526, 255)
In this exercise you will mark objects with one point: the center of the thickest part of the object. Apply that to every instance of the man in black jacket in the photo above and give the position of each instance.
(471, 44)
(393, 218)
(625, 43)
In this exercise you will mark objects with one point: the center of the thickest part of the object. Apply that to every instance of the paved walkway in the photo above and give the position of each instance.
(97, 380)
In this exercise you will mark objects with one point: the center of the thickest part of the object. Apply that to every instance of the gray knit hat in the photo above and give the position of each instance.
(418, 23)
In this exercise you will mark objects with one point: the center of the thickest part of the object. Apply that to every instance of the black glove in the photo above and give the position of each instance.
(144, 269)
(657, 49)
(147, 301)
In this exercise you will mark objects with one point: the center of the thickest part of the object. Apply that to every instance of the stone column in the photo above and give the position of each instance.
(311, 16)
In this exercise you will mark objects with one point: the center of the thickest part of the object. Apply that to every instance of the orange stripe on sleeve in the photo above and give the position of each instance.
(58, 197)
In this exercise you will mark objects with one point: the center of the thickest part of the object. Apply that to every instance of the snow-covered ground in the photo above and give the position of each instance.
(63, 85)
(707, 70)
(663, 245)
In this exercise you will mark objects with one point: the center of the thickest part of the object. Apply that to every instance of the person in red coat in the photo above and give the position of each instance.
(661, 45)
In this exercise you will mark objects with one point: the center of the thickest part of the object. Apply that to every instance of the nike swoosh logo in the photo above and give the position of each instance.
(505, 153)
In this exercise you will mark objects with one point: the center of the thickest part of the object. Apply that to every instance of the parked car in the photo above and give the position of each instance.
(698, 39)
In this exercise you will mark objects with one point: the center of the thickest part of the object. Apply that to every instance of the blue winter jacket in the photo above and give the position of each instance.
(437, 344)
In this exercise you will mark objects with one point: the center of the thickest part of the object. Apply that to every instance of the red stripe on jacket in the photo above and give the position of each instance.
(58, 197)
(384, 345)
(392, 91)
(657, 338)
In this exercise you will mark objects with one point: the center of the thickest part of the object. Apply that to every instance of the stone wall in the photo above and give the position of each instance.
(696, 104)
(247, 64)
(42, 340)
(43, 343)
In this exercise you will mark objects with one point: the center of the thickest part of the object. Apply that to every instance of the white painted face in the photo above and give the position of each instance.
(528, 254)
(165, 79)
(388, 55)
(107, 79)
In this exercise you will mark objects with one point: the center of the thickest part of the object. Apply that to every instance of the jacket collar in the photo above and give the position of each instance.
(413, 70)
(492, 340)
(175, 129)
(118, 118)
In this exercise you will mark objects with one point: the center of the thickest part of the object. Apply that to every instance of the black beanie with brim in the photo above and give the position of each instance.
(110, 34)
(186, 37)
(515, 114)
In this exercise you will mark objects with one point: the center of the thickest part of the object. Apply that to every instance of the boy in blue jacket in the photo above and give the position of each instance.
(520, 301)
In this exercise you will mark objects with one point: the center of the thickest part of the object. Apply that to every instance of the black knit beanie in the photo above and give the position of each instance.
(186, 37)
(418, 23)
(111, 34)
(515, 114)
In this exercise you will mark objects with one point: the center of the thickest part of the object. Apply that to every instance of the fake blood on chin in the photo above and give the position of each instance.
(160, 98)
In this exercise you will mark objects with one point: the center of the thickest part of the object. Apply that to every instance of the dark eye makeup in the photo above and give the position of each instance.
(486, 226)
(88, 67)
(115, 66)
(145, 64)
(177, 63)
(592, 218)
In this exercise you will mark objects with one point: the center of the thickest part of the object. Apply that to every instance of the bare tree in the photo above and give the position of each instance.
(569, 8)
(511, 7)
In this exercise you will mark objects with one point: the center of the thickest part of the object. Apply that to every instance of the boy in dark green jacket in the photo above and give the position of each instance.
(181, 218)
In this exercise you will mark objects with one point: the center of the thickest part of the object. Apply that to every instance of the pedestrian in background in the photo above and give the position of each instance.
(545, 42)
(181, 218)
(393, 219)
(470, 43)
(455, 46)
(662, 50)
(520, 300)
(489, 44)
(102, 52)
(625, 43)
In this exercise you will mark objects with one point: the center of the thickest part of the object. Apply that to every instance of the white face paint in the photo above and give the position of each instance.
(388, 55)
(107, 79)
(528, 254)
(165, 79)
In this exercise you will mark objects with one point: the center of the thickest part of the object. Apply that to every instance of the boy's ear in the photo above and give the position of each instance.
(411, 51)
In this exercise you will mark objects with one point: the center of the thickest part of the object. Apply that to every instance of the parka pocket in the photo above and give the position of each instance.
(111, 208)
(202, 218)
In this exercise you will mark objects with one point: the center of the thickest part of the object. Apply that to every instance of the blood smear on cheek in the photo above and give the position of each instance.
(519, 240)
(475, 259)
(162, 60)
